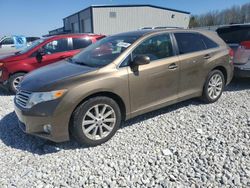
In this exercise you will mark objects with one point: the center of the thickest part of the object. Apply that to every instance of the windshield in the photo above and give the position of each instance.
(33, 45)
(104, 51)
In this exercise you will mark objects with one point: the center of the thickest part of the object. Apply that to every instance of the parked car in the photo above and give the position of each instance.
(120, 77)
(42, 52)
(238, 38)
(13, 43)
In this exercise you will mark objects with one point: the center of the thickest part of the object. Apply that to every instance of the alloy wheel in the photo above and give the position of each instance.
(215, 86)
(16, 82)
(99, 121)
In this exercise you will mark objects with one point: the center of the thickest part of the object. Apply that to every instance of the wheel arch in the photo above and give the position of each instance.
(111, 95)
(223, 70)
(17, 72)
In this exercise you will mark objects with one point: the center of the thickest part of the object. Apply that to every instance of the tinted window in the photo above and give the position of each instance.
(56, 46)
(7, 41)
(235, 34)
(189, 42)
(157, 47)
(79, 43)
(208, 42)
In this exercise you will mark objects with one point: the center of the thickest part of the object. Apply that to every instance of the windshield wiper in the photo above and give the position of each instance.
(77, 62)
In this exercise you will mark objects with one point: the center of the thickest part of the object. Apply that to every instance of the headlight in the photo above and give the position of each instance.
(39, 97)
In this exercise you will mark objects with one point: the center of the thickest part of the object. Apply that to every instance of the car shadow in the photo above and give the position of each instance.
(4, 91)
(238, 84)
(12, 136)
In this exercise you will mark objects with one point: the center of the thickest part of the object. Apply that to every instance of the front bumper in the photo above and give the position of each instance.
(32, 122)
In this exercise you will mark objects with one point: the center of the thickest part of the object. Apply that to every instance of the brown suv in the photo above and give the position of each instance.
(118, 78)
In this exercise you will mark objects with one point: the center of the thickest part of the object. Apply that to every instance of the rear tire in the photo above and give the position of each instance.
(14, 82)
(213, 87)
(95, 121)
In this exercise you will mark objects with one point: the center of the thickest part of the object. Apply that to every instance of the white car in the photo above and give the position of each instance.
(13, 43)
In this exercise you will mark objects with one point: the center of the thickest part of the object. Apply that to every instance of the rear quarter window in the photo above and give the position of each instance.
(208, 42)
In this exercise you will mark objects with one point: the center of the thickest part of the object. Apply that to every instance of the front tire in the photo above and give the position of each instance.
(14, 82)
(213, 87)
(95, 121)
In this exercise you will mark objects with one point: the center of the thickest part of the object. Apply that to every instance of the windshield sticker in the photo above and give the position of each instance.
(123, 44)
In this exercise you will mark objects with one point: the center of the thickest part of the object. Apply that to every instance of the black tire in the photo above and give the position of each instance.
(79, 114)
(11, 81)
(205, 96)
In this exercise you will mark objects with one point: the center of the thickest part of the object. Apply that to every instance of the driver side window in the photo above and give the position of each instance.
(56, 46)
(156, 47)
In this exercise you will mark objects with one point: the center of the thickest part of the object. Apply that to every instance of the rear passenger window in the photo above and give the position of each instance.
(79, 43)
(189, 42)
(208, 42)
(157, 47)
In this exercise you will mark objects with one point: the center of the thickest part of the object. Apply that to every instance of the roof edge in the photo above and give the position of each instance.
(130, 5)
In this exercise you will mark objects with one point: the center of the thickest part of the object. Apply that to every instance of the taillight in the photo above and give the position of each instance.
(231, 55)
(245, 44)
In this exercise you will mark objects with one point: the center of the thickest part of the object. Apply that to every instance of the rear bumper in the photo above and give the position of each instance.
(242, 71)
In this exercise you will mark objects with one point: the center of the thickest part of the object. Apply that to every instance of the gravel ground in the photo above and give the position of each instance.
(189, 144)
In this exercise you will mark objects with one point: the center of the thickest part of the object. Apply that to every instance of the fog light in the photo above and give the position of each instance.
(47, 128)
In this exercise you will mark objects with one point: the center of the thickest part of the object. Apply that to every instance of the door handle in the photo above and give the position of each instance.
(207, 56)
(172, 66)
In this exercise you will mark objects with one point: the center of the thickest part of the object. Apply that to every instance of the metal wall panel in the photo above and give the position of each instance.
(69, 21)
(85, 21)
(111, 20)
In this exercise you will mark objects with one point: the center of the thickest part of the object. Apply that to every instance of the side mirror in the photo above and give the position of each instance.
(139, 60)
(39, 55)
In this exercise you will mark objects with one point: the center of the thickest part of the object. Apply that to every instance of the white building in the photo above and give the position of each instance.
(111, 19)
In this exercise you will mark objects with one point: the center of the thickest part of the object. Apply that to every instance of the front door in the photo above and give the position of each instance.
(156, 83)
(56, 50)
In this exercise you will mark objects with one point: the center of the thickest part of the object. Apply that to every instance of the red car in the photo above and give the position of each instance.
(42, 52)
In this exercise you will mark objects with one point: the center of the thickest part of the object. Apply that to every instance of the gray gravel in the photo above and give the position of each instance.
(189, 144)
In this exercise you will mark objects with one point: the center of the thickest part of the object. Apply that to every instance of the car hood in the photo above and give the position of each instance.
(8, 57)
(53, 75)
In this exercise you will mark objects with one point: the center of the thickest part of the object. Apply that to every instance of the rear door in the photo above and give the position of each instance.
(193, 55)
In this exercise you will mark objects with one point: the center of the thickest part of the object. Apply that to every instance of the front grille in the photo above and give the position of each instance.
(22, 98)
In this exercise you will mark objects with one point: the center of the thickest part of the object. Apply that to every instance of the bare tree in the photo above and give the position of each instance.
(235, 14)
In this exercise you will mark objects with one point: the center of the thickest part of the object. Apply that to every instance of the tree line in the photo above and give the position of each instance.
(233, 15)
